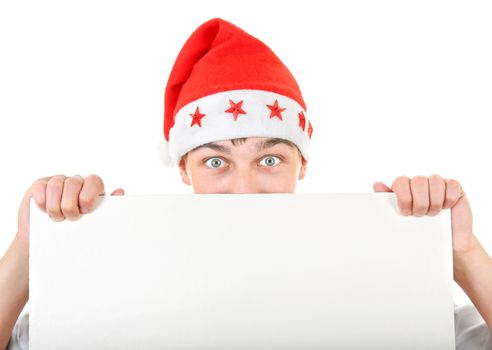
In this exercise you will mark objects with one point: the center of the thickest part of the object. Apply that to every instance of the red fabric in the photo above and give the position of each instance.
(219, 56)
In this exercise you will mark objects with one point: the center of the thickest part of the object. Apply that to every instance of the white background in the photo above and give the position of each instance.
(392, 88)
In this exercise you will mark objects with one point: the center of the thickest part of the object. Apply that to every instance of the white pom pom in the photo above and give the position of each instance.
(163, 152)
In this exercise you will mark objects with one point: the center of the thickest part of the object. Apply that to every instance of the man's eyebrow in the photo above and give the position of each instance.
(270, 143)
(260, 146)
(215, 147)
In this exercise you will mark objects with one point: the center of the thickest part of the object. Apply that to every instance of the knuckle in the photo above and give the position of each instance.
(419, 179)
(434, 207)
(38, 191)
(42, 179)
(55, 181)
(54, 214)
(74, 180)
(57, 218)
(435, 177)
(69, 209)
(85, 202)
(38, 186)
(73, 184)
(95, 178)
(420, 208)
(453, 183)
(405, 203)
(406, 210)
(405, 200)
(52, 209)
(433, 212)
(401, 180)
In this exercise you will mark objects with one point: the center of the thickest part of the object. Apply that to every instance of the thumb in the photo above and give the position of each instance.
(381, 187)
(118, 192)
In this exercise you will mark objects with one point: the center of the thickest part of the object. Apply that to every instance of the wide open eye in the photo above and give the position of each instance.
(271, 161)
(214, 162)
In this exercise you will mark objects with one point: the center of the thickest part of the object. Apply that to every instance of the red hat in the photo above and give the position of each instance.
(227, 84)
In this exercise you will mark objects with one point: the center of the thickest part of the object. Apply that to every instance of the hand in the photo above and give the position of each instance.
(61, 197)
(427, 196)
(472, 266)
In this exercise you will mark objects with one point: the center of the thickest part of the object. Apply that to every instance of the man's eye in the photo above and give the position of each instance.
(271, 161)
(214, 162)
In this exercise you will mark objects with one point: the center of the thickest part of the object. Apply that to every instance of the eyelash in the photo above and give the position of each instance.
(268, 155)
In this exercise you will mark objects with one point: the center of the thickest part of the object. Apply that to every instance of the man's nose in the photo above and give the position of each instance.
(244, 181)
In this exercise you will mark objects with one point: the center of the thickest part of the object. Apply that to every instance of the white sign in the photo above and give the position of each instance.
(242, 271)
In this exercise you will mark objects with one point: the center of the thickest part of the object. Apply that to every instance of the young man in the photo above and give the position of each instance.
(235, 122)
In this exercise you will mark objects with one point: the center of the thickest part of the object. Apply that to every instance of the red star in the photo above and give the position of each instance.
(197, 117)
(302, 120)
(235, 109)
(276, 110)
(310, 129)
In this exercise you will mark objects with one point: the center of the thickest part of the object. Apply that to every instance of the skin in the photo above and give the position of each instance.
(245, 170)
(274, 170)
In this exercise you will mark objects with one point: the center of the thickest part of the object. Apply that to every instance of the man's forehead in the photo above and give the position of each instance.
(260, 145)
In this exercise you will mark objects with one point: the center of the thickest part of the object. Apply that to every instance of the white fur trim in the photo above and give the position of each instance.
(218, 125)
(163, 152)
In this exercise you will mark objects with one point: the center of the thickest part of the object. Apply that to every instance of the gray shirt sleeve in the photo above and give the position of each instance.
(471, 331)
(19, 340)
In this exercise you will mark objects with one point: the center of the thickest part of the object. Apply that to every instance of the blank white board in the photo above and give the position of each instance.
(242, 271)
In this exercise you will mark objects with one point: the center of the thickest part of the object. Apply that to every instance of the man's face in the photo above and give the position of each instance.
(254, 165)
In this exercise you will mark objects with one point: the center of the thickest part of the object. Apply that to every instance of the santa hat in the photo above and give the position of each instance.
(227, 84)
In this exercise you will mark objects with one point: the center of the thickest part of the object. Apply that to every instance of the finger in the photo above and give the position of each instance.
(401, 187)
(54, 191)
(381, 187)
(437, 192)
(93, 187)
(70, 197)
(453, 193)
(38, 191)
(118, 192)
(420, 194)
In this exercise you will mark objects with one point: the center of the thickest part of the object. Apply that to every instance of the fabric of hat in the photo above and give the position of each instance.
(227, 84)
